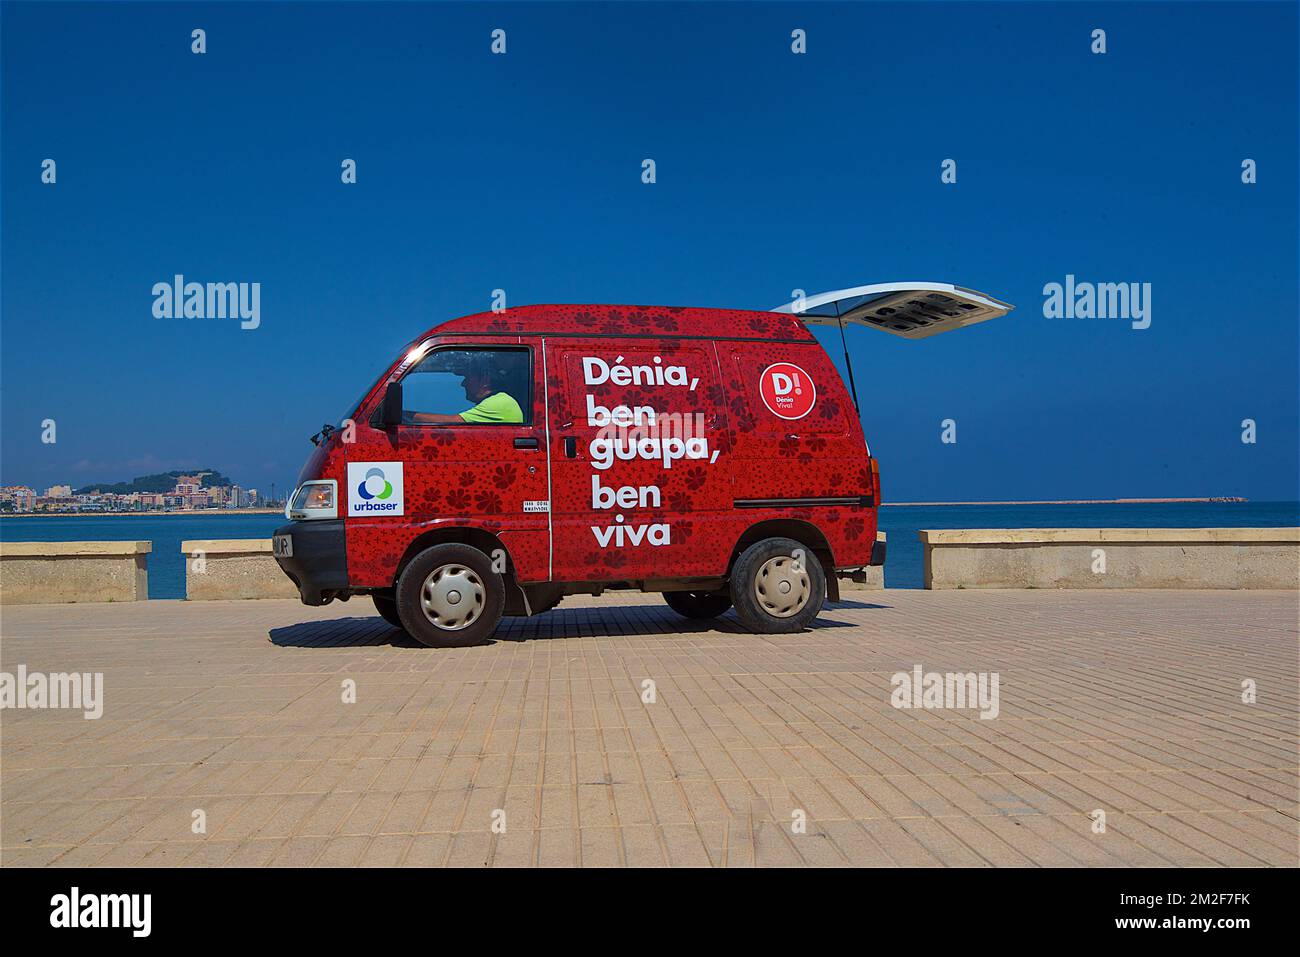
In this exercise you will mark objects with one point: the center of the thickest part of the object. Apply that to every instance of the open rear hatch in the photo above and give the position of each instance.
(913, 310)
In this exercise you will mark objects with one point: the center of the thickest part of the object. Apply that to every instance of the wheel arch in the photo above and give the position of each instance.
(804, 532)
(480, 538)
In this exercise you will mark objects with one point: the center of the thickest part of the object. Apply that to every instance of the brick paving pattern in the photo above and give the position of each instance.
(1126, 702)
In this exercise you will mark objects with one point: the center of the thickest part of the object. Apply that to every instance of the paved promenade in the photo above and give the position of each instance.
(543, 748)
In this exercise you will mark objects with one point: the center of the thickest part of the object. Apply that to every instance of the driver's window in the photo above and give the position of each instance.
(472, 385)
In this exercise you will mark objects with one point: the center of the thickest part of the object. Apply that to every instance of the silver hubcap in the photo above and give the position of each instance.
(452, 597)
(782, 586)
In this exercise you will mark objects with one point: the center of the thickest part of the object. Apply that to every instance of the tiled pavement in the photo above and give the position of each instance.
(1124, 702)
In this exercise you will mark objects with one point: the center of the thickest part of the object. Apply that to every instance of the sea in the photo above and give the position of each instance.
(903, 568)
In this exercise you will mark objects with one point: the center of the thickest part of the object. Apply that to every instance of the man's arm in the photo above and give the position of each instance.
(435, 418)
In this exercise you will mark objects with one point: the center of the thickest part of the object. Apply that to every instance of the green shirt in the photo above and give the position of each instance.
(498, 407)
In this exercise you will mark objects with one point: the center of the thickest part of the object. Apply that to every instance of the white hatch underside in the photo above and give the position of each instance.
(913, 310)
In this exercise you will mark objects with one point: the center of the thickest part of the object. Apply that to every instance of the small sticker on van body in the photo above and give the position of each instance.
(541, 506)
(787, 390)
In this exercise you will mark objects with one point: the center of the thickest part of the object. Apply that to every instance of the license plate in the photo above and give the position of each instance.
(282, 546)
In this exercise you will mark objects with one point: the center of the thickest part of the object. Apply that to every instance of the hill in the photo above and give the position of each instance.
(161, 482)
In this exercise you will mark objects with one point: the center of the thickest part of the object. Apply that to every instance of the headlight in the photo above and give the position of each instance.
(316, 499)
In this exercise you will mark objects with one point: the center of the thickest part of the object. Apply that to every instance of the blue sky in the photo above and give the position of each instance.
(775, 171)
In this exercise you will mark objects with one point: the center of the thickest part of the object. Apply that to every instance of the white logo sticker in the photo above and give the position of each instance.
(374, 488)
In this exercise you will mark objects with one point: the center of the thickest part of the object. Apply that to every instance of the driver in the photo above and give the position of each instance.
(482, 383)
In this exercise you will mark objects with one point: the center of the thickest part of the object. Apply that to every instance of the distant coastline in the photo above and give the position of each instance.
(1084, 501)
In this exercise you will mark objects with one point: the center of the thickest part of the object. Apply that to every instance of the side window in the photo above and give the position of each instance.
(471, 385)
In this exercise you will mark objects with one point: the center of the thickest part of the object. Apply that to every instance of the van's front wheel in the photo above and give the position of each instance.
(698, 604)
(449, 596)
(778, 586)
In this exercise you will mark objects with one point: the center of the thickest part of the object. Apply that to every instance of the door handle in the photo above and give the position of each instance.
(570, 447)
(525, 443)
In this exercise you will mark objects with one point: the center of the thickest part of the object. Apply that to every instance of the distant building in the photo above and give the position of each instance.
(19, 497)
(188, 493)
(46, 503)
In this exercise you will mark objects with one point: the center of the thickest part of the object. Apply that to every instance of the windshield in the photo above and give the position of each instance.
(355, 407)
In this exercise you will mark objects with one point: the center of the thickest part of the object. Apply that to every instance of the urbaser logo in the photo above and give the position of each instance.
(787, 390)
(374, 488)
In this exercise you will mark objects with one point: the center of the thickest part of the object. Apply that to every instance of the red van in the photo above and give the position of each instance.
(505, 460)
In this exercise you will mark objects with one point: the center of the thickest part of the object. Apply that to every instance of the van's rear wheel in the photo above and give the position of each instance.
(449, 596)
(778, 586)
(386, 605)
(698, 604)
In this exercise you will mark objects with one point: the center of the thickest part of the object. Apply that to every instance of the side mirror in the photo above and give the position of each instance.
(390, 409)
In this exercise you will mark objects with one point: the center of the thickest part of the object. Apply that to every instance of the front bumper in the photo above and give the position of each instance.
(319, 563)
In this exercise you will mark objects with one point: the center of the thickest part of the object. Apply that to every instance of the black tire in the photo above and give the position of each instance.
(762, 606)
(699, 605)
(386, 605)
(482, 591)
